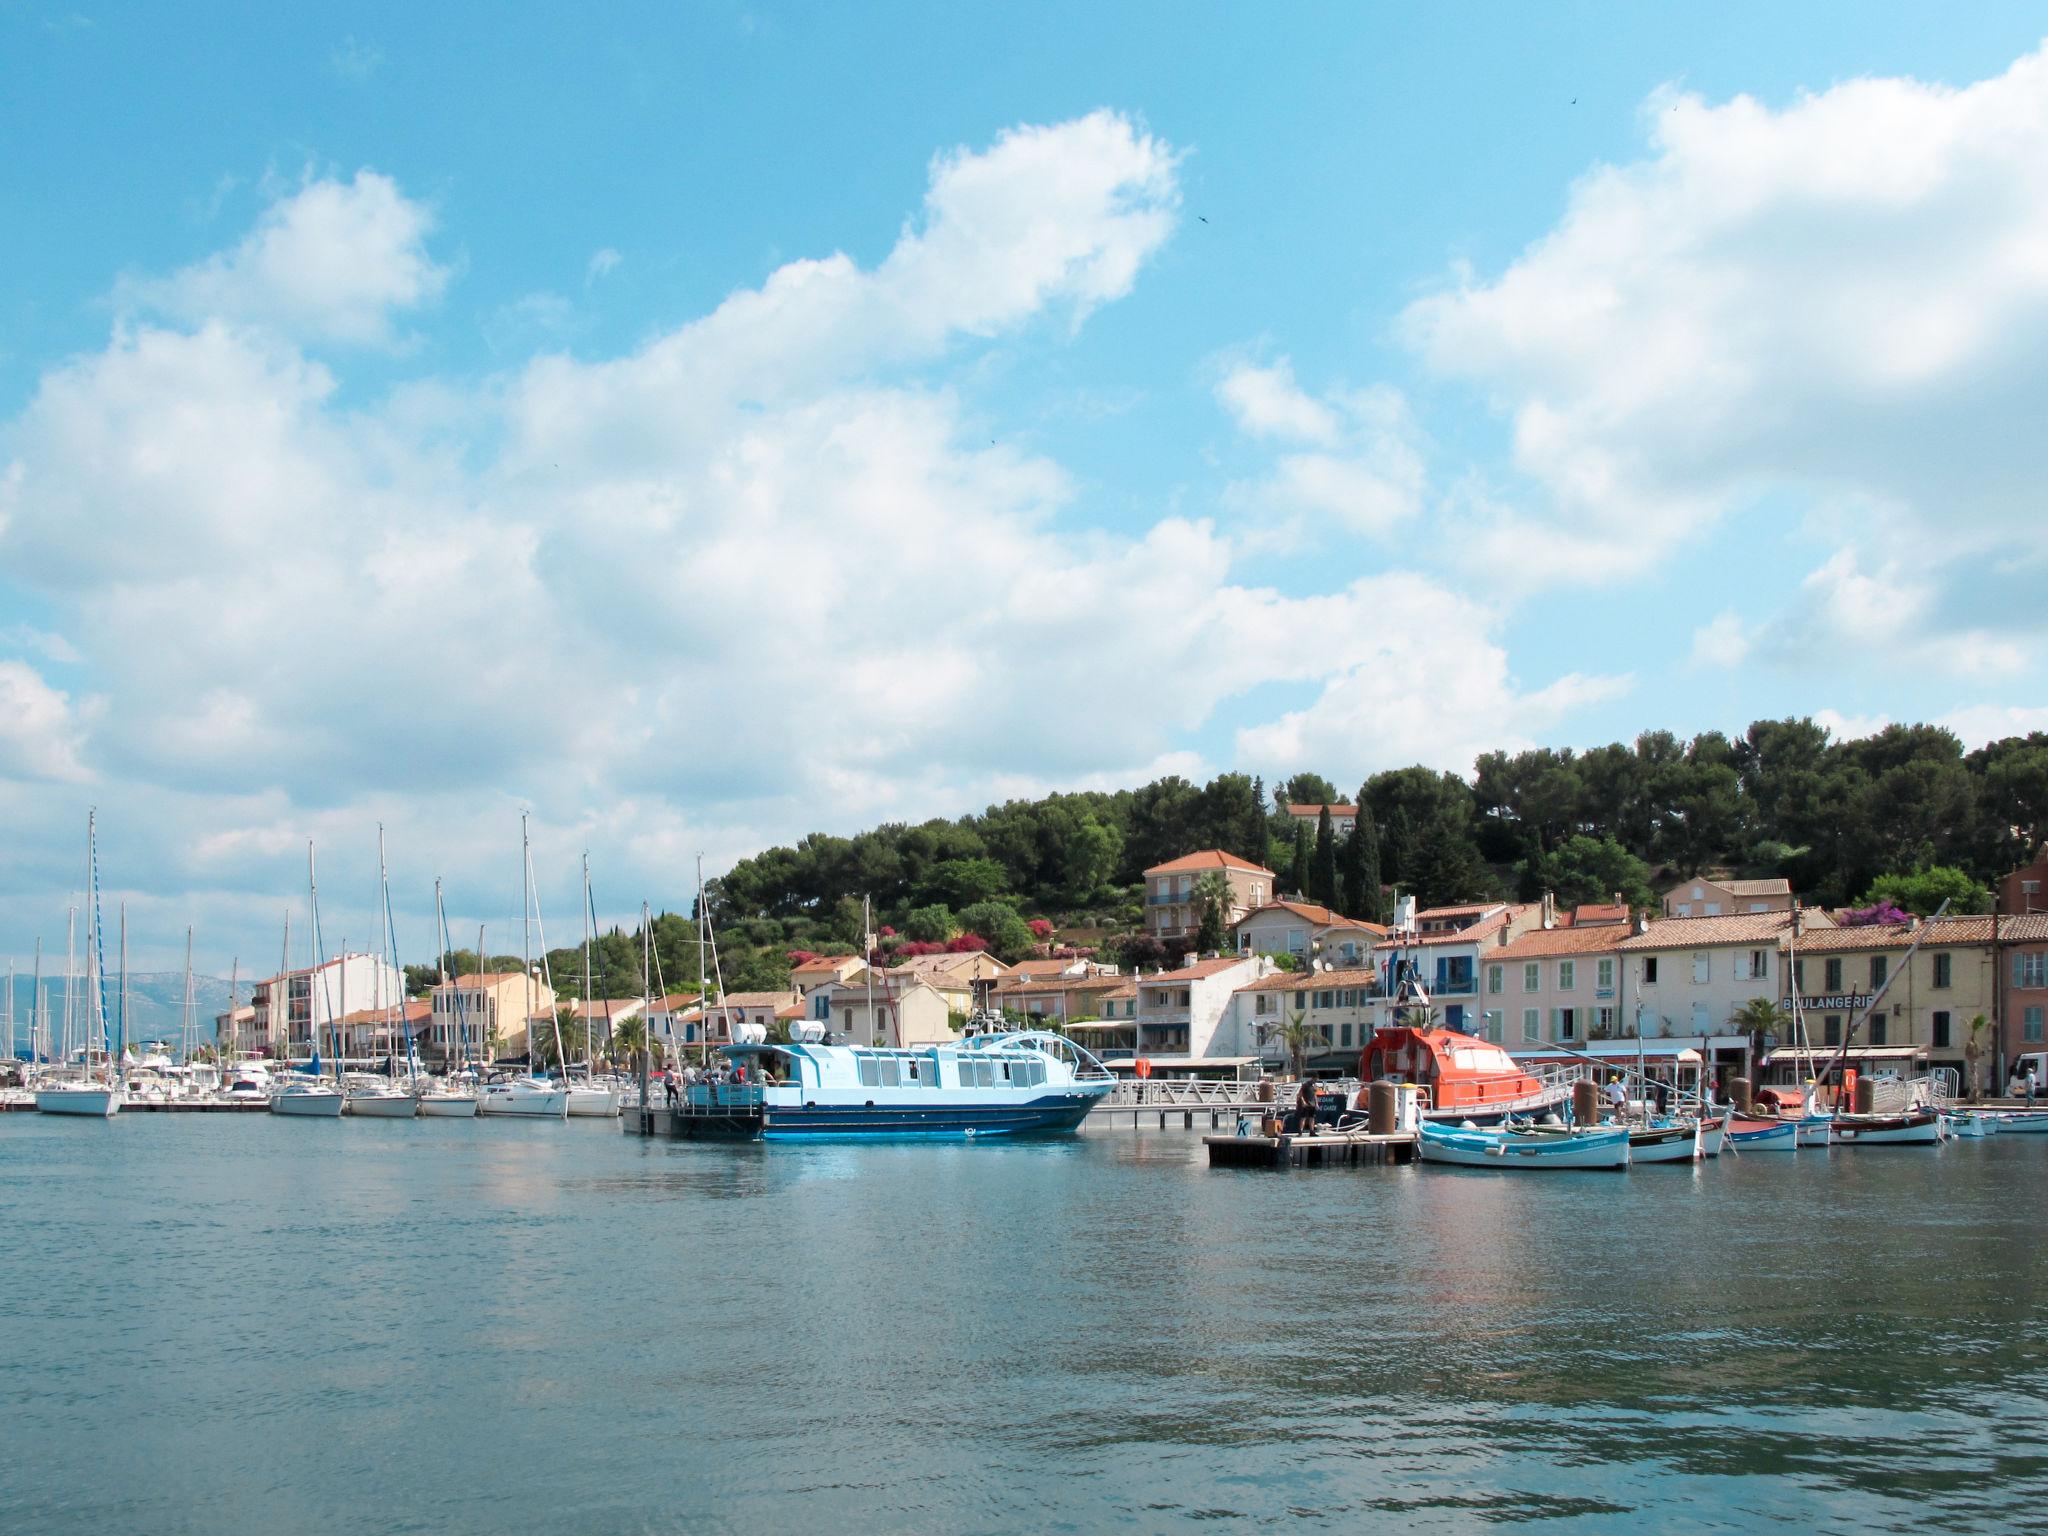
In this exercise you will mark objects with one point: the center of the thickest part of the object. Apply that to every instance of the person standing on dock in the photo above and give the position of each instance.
(1617, 1096)
(1303, 1121)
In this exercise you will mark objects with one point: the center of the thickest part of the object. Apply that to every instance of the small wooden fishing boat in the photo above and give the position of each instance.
(1480, 1147)
(1968, 1124)
(1712, 1134)
(1678, 1143)
(2013, 1122)
(1763, 1135)
(1814, 1129)
(1916, 1127)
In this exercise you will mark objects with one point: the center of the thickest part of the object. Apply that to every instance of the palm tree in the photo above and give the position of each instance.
(629, 1037)
(1298, 1035)
(1973, 1052)
(1212, 899)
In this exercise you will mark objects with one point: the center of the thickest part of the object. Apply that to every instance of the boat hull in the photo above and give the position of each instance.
(593, 1102)
(1815, 1130)
(95, 1103)
(1676, 1144)
(1920, 1129)
(525, 1106)
(2018, 1122)
(448, 1106)
(1046, 1115)
(1969, 1125)
(308, 1106)
(397, 1106)
(1763, 1135)
(1713, 1133)
(1502, 1150)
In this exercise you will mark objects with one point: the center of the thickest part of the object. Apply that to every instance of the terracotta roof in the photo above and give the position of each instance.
(1599, 912)
(2026, 927)
(1558, 941)
(1731, 928)
(1051, 966)
(606, 1007)
(1198, 969)
(673, 1001)
(1309, 910)
(753, 1000)
(1338, 812)
(1313, 981)
(416, 1011)
(487, 979)
(1486, 927)
(1011, 986)
(1465, 909)
(828, 964)
(945, 965)
(1208, 858)
(1950, 930)
(1347, 924)
(1777, 886)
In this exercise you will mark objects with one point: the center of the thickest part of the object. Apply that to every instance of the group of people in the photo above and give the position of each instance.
(714, 1075)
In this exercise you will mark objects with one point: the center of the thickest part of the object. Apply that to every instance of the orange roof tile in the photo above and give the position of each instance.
(1558, 941)
(1208, 858)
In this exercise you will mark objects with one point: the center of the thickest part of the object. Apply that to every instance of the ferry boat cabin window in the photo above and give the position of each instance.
(870, 1072)
(892, 1072)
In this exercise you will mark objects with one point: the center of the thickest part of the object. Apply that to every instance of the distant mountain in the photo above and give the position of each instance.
(156, 1001)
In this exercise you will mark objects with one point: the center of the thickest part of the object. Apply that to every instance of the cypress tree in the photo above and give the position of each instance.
(1297, 875)
(1255, 834)
(1323, 875)
(1362, 868)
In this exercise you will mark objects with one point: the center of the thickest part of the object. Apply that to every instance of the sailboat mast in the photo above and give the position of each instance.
(483, 1006)
(526, 927)
(188, 1034)
(234, 1007)
(319, 971)
(122, 1032)
(70, 979)
(441, 961)
(703, 989)
(588, 1015)
(36, 1003)
(646, 1008)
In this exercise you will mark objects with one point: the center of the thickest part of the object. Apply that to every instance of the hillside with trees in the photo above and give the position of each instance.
(1905, 815)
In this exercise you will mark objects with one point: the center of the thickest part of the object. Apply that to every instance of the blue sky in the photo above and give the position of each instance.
(413, 414)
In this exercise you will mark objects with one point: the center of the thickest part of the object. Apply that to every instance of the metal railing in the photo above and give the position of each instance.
(1188, 1092)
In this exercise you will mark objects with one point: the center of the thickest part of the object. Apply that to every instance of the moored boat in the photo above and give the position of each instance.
(529, 1098)
(998, 1084)
(82, 1097)
(1475, 1146)
(308, 1097)
(1746, 1135)
(379, 1098)
(1915, 1127)
(1814, 1129)
(1462, 1078)
(2017, 1122)
(1678, 1143)
(1713, 1132)
(1968, 1124)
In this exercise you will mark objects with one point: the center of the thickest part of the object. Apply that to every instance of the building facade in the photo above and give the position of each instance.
(289, 1008)
(1704, 897)
(1170, 911)
(1179, 1012)
(486, 1012)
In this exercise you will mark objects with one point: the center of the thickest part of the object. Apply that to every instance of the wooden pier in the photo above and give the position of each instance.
(1328, 1149)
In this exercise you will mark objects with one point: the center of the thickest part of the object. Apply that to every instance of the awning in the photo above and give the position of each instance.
(1663, 1052)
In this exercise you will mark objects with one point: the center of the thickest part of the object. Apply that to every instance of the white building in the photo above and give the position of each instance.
(290, 1007)
(1181, 1012)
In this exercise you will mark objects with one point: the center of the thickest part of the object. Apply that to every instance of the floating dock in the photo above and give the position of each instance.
(1328, 1149)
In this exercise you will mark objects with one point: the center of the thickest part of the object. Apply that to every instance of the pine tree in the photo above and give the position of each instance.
(1323, 874)
(1297, 874)
(1362, 868)
(1254, 835)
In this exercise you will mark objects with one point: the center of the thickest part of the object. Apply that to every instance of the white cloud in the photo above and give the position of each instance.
(603, 263)
(39, 733)
(354, 60)
(49, 646)
(1268, 403)
(1978, 724)
(1354, 461)
(1421, 679)
(1849, 727)
(741, 582)
(331, 262)
(1723, 641)
(1844, 299)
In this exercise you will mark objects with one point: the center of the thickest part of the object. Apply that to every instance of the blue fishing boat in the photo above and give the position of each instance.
(1745, 1135)
(1002, 1084)
(1473, 1146)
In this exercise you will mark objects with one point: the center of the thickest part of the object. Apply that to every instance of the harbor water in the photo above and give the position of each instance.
(245, 1324)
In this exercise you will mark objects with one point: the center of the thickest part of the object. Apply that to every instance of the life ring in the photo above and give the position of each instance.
(1142, 1066)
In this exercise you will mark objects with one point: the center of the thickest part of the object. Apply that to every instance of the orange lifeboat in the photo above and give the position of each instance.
(1463, 1078)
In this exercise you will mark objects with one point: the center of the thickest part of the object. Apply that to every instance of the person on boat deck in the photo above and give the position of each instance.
(1617, 1097)
(1303, 1120)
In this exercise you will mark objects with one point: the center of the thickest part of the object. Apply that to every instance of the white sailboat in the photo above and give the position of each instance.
(94, 1092)
(533, 1098)
(587, 1096)
(437, 1098)
(310, 1095)
(368, 1093)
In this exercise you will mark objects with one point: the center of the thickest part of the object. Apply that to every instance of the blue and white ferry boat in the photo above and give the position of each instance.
(999, 1084)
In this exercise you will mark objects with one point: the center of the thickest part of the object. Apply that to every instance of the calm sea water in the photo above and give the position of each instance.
(242, 1324)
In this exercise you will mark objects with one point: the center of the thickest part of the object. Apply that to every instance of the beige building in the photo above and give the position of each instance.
(489, 1011)
(1337, 1004)
(1553, 986)
(1306, 930)
(902, 1009)
(1170, 891)
(1705, 897)
(1952, 979)
(1688, 976)
(1180, 1013)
